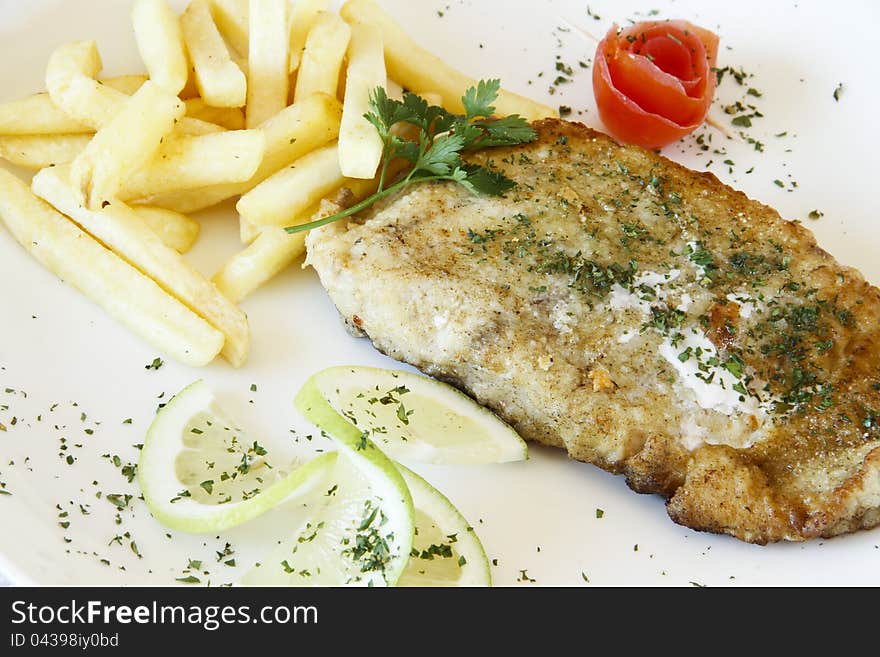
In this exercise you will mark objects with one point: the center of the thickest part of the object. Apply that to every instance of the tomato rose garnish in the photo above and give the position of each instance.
(654, 81)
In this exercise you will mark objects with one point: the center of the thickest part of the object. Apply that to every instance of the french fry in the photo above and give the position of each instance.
(268, 43)
(303, 15)
(322, 57)
(416, 68)
(220, 81)
(394, 89)
(124, 145)
(189, 125)
(340, 82)
(70, 80)
(360, 146)
(122, 230)
(160, 43)
(269, 254)
(290, 134)
(247, 232)
(351, 190)
(231, 18)
(68, 63)
(176, 230)
(285, 195)
(193, 162)
(188, 201)
(37, 151)
(190, 89)
(37, 115)
(192, 127)
(122, 291)
(297, 130)
(274, 248)
(127, 84)
(241, 62)
(231, 118)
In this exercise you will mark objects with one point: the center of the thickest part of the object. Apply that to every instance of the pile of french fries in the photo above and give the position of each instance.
(259, 100)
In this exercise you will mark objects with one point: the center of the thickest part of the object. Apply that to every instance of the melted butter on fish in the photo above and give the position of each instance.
(702, 381)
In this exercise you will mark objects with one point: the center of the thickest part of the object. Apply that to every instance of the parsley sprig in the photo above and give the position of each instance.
(443, 138)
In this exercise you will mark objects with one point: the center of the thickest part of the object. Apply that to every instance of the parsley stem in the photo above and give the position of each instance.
(386, 159)
(367, 202)
(357, 207)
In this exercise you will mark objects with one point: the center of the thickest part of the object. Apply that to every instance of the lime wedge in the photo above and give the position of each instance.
(360, 530)
(199, 473)
(417, 419)
(446, 550)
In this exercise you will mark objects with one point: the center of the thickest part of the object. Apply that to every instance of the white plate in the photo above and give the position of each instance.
(539, 516)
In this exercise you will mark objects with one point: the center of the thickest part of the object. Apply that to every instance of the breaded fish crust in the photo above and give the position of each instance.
(642, 316)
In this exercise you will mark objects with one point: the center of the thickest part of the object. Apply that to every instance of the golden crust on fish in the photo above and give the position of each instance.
(643, 316)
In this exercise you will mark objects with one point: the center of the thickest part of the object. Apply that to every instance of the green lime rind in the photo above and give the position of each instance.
(464, 564)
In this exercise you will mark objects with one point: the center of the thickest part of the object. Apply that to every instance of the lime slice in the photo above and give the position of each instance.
(199, 473)
(417, 419)
(446, 550)
(360, 530)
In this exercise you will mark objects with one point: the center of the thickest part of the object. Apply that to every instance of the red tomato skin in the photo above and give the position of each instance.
(677, 105)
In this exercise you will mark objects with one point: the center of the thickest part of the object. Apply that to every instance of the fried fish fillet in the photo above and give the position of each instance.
(642, 316)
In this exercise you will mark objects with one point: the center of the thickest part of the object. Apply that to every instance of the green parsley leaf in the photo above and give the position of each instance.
(427, 117)
(403, 148)
(478, 101)
(734, 365)
(442, 156)
(485, 181)
(508, 131)
(402, 415)
(386, 112)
